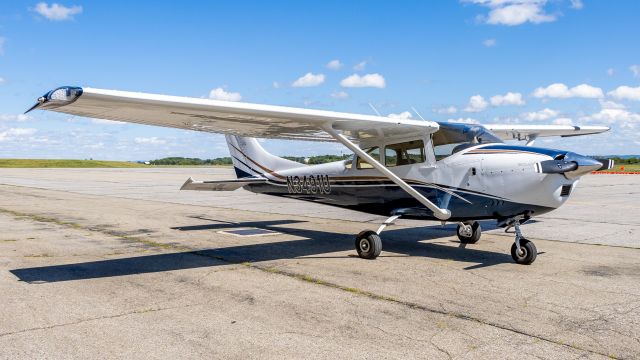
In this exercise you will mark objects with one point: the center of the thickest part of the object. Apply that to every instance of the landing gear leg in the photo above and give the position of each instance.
(369, 243)
(523, 251)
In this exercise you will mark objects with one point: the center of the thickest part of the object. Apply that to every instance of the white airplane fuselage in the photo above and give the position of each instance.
(492, 181)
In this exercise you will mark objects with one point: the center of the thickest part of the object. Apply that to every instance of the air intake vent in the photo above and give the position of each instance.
(566, 190)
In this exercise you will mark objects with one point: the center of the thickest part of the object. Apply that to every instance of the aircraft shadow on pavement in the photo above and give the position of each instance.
(406, 241)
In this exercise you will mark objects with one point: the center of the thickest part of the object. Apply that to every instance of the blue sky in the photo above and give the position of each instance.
(486, 61)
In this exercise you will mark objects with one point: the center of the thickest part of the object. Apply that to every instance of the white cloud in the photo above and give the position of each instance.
(561, 91)
(514, 12)
(476, 104)
(57, 12)
(309, 80)
(489, 42)
(12, 117)
(446, 110)
(339, 95)
(14, 133)
(150, 141)
(368, 80)
(276, 85)
(221, 94)
(464, 121)
(610, 71)
(360, 66)
(2, 80)
(614, 113)
(577, 4)
(334, 65)
(626, 93)
(635, 70)
(2, 42)
(540, 115)
(563, 121)
(610, 116)
(403, 115)
(607, 104)
(509, 98)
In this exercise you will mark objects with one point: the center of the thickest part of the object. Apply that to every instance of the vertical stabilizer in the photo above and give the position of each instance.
(250, 159)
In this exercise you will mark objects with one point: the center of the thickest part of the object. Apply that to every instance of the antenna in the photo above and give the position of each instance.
(417, 113)
(374, 109)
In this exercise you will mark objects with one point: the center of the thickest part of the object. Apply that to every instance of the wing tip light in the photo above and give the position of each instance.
(61, 96)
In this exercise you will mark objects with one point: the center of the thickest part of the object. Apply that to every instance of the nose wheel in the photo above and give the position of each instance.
(526, 254)
(523, 251)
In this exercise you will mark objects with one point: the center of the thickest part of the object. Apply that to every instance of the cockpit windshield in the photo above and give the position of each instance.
(451, 138)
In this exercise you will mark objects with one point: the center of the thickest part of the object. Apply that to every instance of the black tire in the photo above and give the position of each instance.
(475, 236)
(528, 252)
(368, 244)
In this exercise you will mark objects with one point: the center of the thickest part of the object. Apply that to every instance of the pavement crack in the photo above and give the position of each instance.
(81, 321)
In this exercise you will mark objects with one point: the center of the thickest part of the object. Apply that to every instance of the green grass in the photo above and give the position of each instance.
(54, 163)
(627, 168)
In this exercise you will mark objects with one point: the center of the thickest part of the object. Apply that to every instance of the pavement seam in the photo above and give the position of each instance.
(297, 276)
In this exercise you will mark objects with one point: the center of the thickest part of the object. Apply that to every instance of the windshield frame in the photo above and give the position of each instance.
(461, 136)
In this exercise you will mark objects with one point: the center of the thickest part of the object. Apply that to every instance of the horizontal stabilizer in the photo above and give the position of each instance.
(219, 185)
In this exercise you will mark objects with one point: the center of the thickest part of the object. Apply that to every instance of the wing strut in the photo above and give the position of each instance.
(442, 214)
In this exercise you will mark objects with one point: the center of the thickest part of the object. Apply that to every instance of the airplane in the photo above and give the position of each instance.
(416, 169)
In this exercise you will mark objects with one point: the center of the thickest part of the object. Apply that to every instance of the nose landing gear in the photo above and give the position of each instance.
(523, 251)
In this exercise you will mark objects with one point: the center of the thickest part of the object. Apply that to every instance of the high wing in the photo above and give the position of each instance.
(235, 118)
(531, 132)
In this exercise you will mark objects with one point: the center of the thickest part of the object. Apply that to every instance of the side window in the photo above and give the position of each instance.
(374, 152)
(411, 152)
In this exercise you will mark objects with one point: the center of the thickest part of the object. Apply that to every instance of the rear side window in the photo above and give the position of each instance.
(410, 152)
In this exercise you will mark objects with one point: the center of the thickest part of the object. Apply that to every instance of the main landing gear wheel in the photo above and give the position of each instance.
(368, 244)
(469, 232)
(527, 253)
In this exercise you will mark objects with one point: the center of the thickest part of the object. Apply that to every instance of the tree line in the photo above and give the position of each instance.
(626, 160)
(320, 159)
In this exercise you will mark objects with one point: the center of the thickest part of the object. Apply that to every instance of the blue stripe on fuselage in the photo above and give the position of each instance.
(384, 199)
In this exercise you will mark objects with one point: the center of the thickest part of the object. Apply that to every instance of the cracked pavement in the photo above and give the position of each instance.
(118, 263)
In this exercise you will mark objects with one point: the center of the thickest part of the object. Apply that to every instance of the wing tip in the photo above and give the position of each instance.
(60, 96)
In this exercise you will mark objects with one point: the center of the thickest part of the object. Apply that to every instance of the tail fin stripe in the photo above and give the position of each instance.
(269, 171)
(248, 167)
